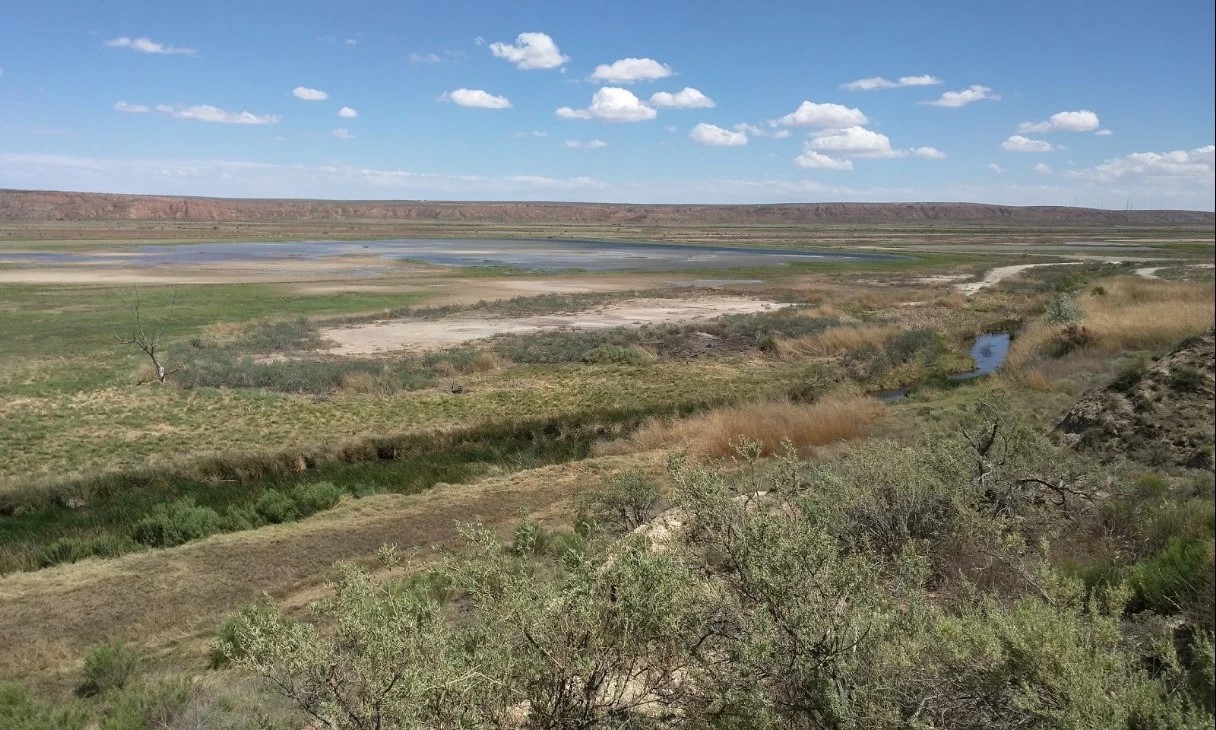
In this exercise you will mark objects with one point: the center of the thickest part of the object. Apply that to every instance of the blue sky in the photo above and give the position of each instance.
(1104, 104)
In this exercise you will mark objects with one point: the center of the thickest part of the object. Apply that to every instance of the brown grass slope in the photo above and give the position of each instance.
(32, 206)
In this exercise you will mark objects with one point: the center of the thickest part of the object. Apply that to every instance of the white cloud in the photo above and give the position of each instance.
(144, 44)
(122, 106)
(629, 70)
(1042, 168)
(813, 160)
(342, 133)
(306, 94)
(929, 153)
(1078, 121)
(878, 82)
(714, 136)
(347, 113)
(476, 98)
(1198, 164)
(826, 116)
(209, 113)
(530, 51)
(686, 98)
(1104, 133)
(479, 41)
(351, 42)
(1018, 143)
(995, 168)
(750, 129)
(593, 144)
(971, 94)
(425, 58)
(853, 142)
(781, 134)
(611, 104)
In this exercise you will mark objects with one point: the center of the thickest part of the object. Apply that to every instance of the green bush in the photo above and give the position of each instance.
(310, 498)
(1186, 379)
(151, 705)
(107, 667)
(19, 710)
(275, 507)
(622, 504)
(1173, 580)
(176, 523)
(71, 549)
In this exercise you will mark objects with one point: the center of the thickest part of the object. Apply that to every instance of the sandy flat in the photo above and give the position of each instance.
(433, 334)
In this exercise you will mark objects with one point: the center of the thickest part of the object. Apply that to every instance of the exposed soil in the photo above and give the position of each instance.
(1163, 415)
(435, 334)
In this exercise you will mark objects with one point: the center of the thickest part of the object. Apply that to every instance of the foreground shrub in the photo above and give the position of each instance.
(108, 667)
(176, 523)
(1173, 580)
(19, 710)
(155, 704)
(1062, 309)
(622, 504)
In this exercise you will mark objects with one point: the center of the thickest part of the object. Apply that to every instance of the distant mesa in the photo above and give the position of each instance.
(32, 206)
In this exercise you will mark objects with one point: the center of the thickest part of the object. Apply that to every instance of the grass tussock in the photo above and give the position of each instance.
(712, 434)
(1124, 314)
(834, 341)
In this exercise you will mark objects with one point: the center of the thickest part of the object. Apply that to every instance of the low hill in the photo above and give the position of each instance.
(17, 206)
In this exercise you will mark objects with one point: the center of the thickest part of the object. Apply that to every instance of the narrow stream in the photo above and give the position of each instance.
(989, 352)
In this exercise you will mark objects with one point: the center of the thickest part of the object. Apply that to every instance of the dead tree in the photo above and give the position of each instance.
(147, 337)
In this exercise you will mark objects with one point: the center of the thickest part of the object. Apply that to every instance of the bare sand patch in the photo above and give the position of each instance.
(430, 334)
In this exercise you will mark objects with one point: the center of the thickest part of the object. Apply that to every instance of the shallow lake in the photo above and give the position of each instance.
(522, 254)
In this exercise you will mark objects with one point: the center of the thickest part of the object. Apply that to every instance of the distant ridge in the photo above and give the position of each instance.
(33, 206)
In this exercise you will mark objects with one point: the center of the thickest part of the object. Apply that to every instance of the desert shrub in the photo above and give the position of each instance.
(154, 704)
(1172, 580)
(622, 504)
(1130, 374)
(19, 710)
(1062, 309)
(277, 336)
(107, 667)
(612, 354)
(1186, 379)
(241, 517)
(175, 523)
(229, 644)
(71, 549)
(911, 344)
(275, 507)
(1072, 337)
(530, 539)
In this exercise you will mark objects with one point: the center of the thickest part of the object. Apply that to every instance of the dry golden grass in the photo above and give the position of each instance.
(1133, 314)
(485, 362)
(714, 433)
(834, 341)
(953, 300)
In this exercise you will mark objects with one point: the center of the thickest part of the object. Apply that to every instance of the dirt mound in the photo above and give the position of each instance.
(27, 205)
(1160, 414)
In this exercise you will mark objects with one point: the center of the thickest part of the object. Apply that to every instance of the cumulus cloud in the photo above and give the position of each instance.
(853, 142)
(476, 98)
(306, 94)
(122, 106)
(143, 44)
(715, 136)
(878, 82)
(1042, 168)
(928, 153)
(1104, 133)
(530, 51)
(1078, 121)
(1192, 165)
(781, 134)
(342, 133)
(611, 104)
(347, 113)
(629, 70)
(969, 95)
(686, 98)
(1018, 143)
(995, 168)
(825, 116)
(209, 113)
(813, 160)
(593, 144)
